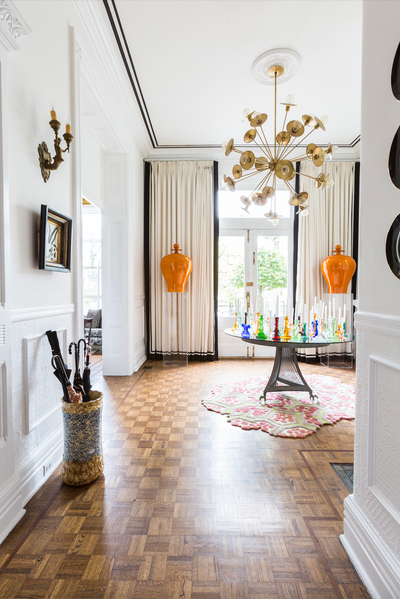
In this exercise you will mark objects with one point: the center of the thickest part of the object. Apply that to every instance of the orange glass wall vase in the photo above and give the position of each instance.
(176, 269)
(338, 270)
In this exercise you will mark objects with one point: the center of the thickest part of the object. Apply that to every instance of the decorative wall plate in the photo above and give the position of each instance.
(394, 160)
(396, 74)
(393, 247)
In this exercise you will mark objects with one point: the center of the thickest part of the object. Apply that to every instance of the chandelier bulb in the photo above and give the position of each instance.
(246, 111)
(304, 212)
(290, 99)
(324, 118)
(224, 145)
(335, 149)
(275, 222)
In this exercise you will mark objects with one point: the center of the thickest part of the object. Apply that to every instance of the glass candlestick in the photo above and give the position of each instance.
(257, 322)
(276, 336)
(315, 328)
(261, 334)
(286, 335)
(304, 333)
(246, 331)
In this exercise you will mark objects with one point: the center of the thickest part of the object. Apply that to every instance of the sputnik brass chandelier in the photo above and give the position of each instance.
(276, 160)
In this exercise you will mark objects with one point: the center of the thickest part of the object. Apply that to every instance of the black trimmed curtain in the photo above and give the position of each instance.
(181, 207)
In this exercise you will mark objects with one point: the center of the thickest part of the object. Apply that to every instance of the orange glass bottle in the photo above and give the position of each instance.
(338, 270)
(176, 269)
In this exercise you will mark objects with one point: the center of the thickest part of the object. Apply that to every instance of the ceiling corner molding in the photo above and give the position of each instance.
(99, 34)
(12, 25)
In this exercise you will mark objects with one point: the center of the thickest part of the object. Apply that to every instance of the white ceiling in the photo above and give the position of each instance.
(193, 61)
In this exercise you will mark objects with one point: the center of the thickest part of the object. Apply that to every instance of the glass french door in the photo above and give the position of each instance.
(255, 267)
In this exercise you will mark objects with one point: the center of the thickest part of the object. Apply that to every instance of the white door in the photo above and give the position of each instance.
(231, 278)
(252, 263)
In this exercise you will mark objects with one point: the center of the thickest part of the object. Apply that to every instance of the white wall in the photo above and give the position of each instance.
(41, 75)
(92, 168)
(372, 514)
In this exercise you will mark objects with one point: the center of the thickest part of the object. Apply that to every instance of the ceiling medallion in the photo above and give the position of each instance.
(288, 59)
(276, 160)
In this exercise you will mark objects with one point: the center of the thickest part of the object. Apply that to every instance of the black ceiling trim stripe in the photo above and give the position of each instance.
(142, 105)
(134, 71)
(213, 146)
(137, 90)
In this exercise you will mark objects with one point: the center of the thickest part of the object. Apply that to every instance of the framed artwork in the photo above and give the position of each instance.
(55, 240)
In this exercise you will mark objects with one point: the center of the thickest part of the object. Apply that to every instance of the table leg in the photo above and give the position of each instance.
(286, 371)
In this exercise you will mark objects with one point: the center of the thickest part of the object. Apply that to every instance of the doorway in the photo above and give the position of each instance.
(255, 267)
(92, 274)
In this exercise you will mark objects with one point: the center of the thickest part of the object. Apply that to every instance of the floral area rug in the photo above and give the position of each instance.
(285, 414)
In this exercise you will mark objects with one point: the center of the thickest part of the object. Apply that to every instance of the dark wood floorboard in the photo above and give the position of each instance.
(189, 507)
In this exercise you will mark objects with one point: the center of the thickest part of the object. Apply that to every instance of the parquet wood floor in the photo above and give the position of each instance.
(189, 506)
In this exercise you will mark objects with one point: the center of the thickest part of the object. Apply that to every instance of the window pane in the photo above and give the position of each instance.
(230, 205)
(230, 273)
(272, 269)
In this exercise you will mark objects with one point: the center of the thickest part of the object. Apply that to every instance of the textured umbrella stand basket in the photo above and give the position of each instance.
(83, 450)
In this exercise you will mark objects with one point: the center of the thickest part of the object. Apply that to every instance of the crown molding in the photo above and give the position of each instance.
(98, 32)
(12, 25)
(165, 150)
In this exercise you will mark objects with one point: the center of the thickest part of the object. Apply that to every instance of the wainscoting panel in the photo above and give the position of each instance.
(372, 514)
(42, 389)
(36, 392)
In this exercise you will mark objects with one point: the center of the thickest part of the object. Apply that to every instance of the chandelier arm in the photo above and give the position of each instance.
(259, 184)
(284, 120)
(291, 150)
(248, 175)
(266, 141)
(276, 80)
(290, 187)
(304, 175)
(262, 149)
(301, 157)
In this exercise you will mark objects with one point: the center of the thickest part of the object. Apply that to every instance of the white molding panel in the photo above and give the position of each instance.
(372, 514)
(21, 314)
(379, 323)
(375, 564)
(38, 379)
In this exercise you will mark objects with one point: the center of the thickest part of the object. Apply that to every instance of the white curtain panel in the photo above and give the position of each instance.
(182, 211)
(329, 223)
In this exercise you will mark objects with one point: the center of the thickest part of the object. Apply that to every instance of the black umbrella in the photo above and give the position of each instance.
(70, 395)
(56, 351)
(86, 375)
(78, 382)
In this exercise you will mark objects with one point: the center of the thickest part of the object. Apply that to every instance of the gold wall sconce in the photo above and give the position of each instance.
(47, 164)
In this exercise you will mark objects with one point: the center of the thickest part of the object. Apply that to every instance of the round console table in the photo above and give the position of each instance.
(286, 374)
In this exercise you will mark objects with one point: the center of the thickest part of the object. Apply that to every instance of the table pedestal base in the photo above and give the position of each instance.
(286, 375)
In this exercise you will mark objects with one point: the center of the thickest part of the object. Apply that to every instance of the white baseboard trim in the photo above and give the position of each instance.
(140, 358)
(11, 504)
(20, 314)
(31, 472)
(377, 567)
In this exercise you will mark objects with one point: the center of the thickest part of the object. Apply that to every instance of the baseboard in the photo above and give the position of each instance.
(377, 567)
(11, 504)
(31, 474)
(140, 359)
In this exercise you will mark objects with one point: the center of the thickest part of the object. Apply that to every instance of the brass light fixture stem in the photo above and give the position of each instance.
(291, 149)
(304, 175)
(261, 183)
(276, 79)
(262, 149)
(301, 157)
(266, 141)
